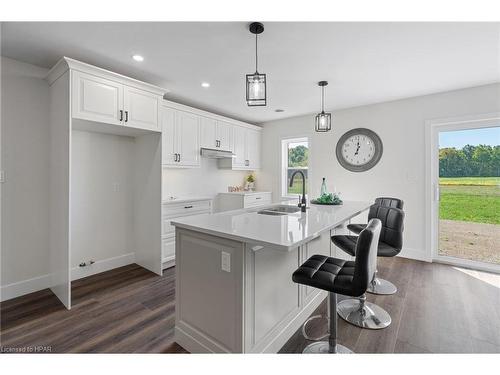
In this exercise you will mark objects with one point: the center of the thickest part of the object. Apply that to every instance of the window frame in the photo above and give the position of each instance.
(284, 165)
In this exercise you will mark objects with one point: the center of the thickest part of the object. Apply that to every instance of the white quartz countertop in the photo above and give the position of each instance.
(281, 232)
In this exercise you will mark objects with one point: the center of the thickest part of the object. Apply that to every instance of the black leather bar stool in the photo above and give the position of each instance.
(390, 246)
(337, 276)
(357, 311)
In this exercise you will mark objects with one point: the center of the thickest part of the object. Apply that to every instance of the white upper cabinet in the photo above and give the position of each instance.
(100, 99)
(239, 146)
(208, 133)
(97, 99)
(253, 138)
(246, 147)
(187, 135)
(224, 135)
(167, 123)
(140, 108)
(180, 138)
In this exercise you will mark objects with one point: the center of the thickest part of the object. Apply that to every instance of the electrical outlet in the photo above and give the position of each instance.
(226, 261)
(116, 187)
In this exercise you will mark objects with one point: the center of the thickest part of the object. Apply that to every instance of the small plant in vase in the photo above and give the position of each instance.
(250, 182)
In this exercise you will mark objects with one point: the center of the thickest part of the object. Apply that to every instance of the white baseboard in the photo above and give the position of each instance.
(415, 254)
(23, 287)
(35, 284)
(102, 266)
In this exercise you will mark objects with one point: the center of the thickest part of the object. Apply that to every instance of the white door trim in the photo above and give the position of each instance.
(432, 129)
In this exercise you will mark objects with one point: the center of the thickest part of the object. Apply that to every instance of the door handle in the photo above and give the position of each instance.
(121, 115)
(126, 116)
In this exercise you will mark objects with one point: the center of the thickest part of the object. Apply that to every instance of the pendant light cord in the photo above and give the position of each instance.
(256, 56)
(322, 99)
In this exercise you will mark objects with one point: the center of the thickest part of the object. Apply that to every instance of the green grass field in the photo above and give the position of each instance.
(475, 199)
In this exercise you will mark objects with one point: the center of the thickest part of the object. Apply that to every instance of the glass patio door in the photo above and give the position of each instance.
(469, 196)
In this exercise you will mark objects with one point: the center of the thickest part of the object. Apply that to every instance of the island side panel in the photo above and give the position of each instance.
(275, 306)
(209, 299)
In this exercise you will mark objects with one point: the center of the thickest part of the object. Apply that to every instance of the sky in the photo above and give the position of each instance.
(460, 138)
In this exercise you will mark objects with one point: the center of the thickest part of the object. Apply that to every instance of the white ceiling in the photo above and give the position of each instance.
(364, 62)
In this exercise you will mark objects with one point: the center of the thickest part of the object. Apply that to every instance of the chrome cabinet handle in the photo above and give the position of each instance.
(121, 115)
(179, 158)
(175, 156)
(126, 116)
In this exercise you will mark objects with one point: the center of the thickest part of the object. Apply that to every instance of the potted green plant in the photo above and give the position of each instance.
(250, 182)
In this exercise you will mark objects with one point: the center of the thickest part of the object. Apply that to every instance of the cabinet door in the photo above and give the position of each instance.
(167, 123)
(253, 148)
(224, 135)
(187, 134)
(96, 99)
(208, 132)
(141, 108)
(240, 147)
(168, 249)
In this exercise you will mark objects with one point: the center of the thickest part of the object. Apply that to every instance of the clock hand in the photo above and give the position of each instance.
(357, 149)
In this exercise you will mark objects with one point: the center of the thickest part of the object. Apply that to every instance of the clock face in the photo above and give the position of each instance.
(359, 150)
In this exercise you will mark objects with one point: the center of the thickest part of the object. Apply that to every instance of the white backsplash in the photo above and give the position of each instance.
(208, 180)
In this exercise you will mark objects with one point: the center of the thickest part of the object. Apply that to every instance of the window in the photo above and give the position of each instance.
(295, 156)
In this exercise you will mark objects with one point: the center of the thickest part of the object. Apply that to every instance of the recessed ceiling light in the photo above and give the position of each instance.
(205, 84)
(279, 110)
(138, 58)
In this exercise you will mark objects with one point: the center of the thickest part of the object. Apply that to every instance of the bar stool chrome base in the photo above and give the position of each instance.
(363, 314)
(306, 335)
(381, 286)
(323, 347)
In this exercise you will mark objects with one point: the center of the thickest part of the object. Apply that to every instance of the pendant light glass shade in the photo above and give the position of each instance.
(256, 92)
(256, 89)
(323, 121)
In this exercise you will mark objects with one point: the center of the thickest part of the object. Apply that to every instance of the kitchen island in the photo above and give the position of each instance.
(234, 289)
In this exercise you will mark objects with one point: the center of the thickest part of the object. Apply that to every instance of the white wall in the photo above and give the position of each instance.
(25, 159)
(102, 196)
(401, 171)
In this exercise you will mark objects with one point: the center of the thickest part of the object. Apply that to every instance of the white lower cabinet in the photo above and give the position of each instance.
(172, 210)
(238, 200)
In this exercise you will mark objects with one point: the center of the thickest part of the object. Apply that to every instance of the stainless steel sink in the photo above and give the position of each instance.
(279, 210)
(273, 213)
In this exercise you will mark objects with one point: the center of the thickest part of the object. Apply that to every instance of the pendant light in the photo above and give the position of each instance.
(256, 82)
(323, 120)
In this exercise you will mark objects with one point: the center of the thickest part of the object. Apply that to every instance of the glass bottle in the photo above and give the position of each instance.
(324, 191)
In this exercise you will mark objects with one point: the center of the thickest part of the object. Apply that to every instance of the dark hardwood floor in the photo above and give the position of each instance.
(438, 309)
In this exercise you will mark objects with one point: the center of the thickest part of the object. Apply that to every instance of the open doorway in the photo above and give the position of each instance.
(465, 162)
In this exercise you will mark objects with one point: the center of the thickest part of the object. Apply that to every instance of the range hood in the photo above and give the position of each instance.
(212, 153)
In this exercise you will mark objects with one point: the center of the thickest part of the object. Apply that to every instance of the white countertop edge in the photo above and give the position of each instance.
(245, 192)
(186, 199)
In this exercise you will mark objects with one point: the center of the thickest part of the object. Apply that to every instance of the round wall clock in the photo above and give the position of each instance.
(359, 150)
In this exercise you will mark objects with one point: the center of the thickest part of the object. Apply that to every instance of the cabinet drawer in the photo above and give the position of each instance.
(186, 208)
(256, 200)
